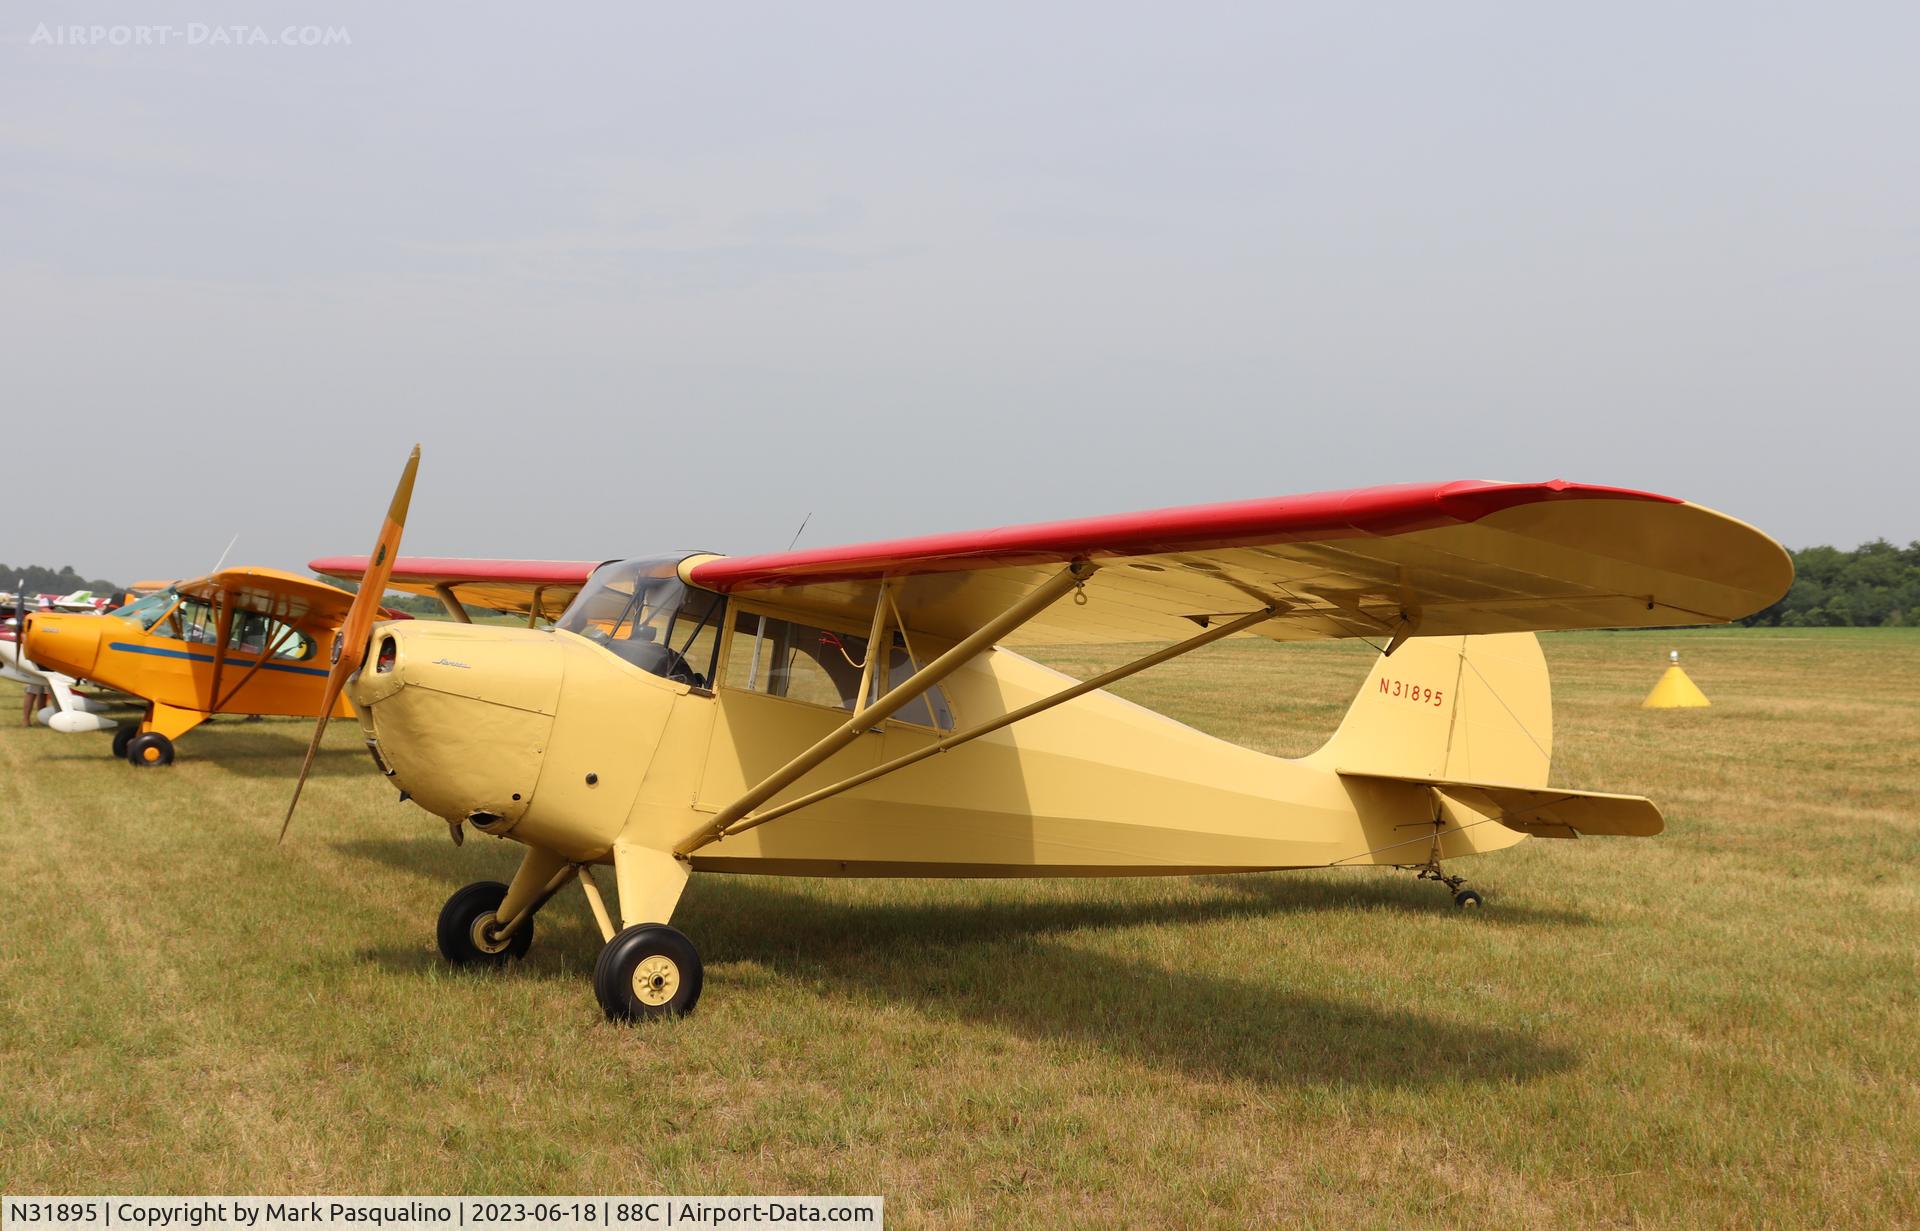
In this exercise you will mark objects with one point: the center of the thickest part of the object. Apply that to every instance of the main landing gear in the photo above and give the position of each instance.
(648, 970)
(469, 928)
(149, 750)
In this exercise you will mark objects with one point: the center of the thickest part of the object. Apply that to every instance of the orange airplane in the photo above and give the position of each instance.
(239, 641)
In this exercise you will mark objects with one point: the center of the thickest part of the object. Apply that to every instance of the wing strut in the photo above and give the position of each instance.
(865, 717)
(958, 738)
(456, 610)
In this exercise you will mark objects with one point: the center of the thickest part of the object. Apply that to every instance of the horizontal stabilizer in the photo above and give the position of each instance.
(1545, 812)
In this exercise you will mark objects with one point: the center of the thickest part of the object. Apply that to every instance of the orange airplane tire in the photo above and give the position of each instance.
(648, 970)
(150, 750)
(122, 736)
(466, 921)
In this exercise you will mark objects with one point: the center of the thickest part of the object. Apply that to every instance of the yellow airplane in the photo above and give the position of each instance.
(239, 641)
(861, 711)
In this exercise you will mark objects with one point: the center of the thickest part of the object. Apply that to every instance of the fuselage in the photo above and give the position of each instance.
(555, 739)
(167, 652)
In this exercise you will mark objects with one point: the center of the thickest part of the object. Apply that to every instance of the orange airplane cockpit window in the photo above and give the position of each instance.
(254, 634)
(193, 620)
(148, 611)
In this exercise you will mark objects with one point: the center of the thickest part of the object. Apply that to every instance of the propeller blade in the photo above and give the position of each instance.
(350, 644)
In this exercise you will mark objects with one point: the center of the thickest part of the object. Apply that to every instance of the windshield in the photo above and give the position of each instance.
(642, 612)
(147, 611)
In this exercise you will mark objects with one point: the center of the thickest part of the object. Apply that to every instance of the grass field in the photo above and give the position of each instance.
(1718, 1027)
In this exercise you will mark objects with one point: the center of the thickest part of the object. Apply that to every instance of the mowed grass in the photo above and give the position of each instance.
(1718, 1027)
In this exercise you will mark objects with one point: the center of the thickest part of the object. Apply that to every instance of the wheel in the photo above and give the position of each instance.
(149, 750)
(649, 970)
(122, 736)
(1468, 899)
(466, 921)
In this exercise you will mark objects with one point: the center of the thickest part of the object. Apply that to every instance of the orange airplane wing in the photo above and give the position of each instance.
(287, 597)
(1416, 559)
(517, 587)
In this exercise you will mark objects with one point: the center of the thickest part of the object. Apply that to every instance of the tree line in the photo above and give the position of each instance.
(39, 579)
(1876, 585)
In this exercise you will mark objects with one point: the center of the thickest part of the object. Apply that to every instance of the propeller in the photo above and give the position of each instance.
(350, 643)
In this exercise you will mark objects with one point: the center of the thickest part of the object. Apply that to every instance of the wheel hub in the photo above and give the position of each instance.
(656, 979)
(484, 934)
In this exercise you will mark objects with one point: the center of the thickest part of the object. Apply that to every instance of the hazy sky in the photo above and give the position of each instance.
(647, 276)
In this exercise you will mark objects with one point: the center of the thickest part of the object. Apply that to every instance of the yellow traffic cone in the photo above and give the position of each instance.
(1675, 691)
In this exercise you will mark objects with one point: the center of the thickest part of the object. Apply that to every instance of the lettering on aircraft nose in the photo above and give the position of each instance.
(448, 662)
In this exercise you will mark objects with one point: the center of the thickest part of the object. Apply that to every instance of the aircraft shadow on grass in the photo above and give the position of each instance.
(1007, 964)
(267, 753)
(248, 750)
(246, 755)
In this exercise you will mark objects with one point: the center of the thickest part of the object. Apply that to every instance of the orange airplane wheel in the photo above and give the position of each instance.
(150, 750)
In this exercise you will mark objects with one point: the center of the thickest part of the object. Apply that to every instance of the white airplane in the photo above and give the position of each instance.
(69, 712)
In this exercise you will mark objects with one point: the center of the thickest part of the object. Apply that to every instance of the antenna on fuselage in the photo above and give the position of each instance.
(797, 533)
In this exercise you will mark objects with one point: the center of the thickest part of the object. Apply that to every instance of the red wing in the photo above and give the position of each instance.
(1449, 558)
(517, 587)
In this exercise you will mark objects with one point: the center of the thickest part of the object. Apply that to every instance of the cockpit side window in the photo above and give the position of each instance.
(193, 620)
(822, 667)
(254, 634)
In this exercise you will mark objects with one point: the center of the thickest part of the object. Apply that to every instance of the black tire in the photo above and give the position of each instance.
(149, 750)
(461, 920)
(122, 736)
(1469, 899)
(651, 955)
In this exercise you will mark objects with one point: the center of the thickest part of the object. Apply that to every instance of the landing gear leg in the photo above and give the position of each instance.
(1464, 897)
(647, 969)
(489, 923)
(469, 927)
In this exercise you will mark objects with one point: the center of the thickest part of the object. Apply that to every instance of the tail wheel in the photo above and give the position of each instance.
(648, 970)
(123, 736)
(467, 925)
(149, 750)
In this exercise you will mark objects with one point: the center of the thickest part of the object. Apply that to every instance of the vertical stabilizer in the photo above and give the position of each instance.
(1474, 709)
